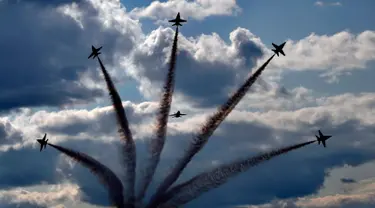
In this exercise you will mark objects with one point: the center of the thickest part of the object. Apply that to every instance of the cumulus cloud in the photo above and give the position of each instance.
(333, 55)
(67, 77)
(361, 195)
(207, 57)
(197, 9)
(8, 133)
(44, 50)
(281, 116)
(54, 197)
(235, 137)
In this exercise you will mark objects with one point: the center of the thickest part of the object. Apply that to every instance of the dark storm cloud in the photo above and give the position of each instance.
(44, 54)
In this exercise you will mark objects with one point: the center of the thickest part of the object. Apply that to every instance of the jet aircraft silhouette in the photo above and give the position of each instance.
(178, 114)
(95, 52)
(177, 21)
(278, 49)
(322, 138)
(43, 142)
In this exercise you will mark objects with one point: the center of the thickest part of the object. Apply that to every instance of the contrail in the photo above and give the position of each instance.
(193, 188)
(128, 145)
(105, 175)
(157, 143)
(206, 131)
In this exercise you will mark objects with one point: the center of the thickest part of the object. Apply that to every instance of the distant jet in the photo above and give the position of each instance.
(95, 52)
(43, 142)
(278, 49)
(178, 20)
(178, 114)
(322, 138)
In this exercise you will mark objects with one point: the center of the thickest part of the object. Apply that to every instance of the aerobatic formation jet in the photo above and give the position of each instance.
(95, 52)
(177, 21)
(178, 114)
(43, 142)
(322, 138)
(278, 49)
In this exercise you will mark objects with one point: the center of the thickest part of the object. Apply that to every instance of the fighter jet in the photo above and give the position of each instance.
(178, 114)
(278, 49)
(43, 142)
(322, 138)
(177, 20)
(95, 52)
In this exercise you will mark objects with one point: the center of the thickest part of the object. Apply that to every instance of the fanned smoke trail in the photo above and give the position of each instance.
(105, 175)
(128, 148)
(157, 143)
(206, 131)
(191, 189)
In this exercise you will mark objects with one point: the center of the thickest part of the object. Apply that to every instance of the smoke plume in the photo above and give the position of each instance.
(191, 189)
(157, 143)
(207, 130)
(128, 145)
(104, 174)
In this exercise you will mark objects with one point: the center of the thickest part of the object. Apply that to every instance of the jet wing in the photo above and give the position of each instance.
(41, 147)
(320, 134)
(91, 55)
(173, 20)
(282, 45)
(282, 52)
(182, 20)
(274, 45)
(324, 143)
(45, 135)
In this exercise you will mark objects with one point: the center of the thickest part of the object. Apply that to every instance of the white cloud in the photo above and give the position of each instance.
(332, 55)
(145, 56)
(58, 38)
(197, 9)
(359, 195)
(346, 117)
(211, 58)
(55, 196)
(281, 116)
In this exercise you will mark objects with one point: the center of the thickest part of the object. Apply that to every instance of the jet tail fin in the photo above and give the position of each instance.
(176, 24)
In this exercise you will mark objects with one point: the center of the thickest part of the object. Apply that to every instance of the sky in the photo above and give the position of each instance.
(325, 81)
